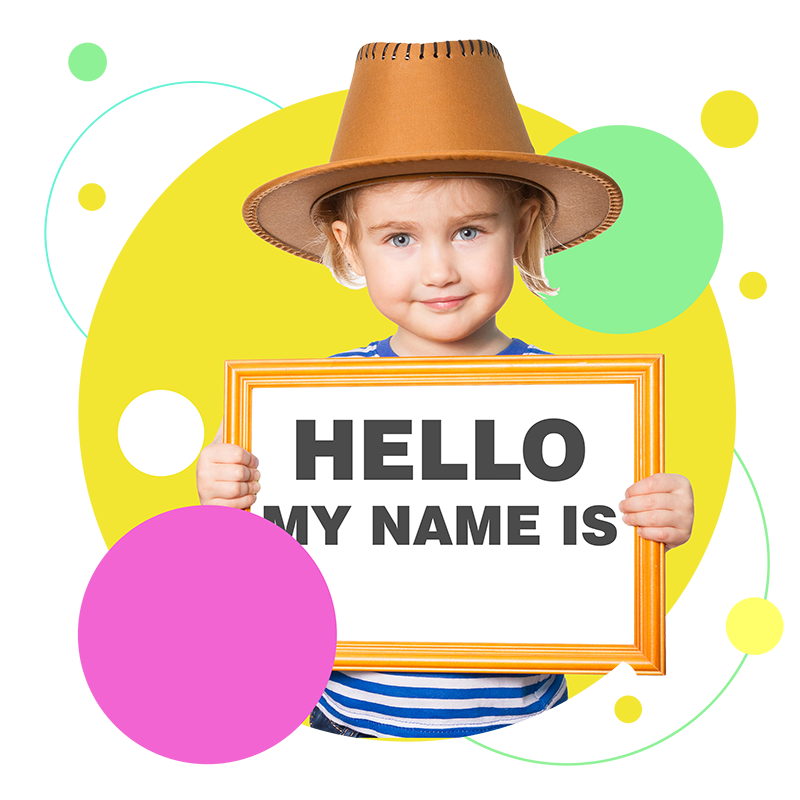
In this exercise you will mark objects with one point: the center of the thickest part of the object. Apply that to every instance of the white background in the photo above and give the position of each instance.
(22, 582)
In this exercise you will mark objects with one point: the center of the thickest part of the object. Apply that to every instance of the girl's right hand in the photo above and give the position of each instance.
(227, 475)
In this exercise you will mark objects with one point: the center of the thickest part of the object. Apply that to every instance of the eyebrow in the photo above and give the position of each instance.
(408, 226)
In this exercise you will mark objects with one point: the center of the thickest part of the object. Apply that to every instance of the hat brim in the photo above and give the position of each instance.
(587, 201)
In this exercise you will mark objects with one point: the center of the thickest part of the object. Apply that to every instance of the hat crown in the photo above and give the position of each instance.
(429, 98)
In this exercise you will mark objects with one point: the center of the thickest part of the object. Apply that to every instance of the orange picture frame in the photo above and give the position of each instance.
(646, 652)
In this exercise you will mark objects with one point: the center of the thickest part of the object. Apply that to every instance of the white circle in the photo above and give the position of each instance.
(160, 432)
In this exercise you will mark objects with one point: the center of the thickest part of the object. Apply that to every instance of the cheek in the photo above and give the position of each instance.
(386, 287)
(504, 286)
(497, 277)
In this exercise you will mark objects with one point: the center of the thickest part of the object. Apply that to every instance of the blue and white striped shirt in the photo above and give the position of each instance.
(383, 349)
(420, 705)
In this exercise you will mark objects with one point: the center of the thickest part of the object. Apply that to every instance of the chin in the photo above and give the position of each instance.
(449, 336)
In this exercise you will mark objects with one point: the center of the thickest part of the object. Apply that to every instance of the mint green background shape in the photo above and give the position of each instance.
(659, 256)
(717, 721)
(759, 552)
(77, 71)
(174, 83)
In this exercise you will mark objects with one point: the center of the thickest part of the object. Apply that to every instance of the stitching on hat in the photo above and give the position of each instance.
(364, 51)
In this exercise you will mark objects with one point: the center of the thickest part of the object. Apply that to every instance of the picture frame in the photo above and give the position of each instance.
(645, 651)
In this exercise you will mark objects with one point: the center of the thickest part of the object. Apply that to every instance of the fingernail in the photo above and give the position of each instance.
(257, 488)
(257, 476)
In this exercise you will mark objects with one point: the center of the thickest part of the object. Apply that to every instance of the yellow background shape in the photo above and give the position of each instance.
(738, 620)
(728, 95)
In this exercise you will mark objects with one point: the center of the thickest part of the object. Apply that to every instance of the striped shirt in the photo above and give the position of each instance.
(420, 705)
(383, 349)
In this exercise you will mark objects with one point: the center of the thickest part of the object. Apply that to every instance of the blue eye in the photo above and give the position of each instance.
(467, 234)
(401, 240)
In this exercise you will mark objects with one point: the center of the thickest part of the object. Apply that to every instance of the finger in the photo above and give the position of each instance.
(671, 537)
(648, 502)
(237, 473)
(232, 454)
(658, 518)
(231, 490)
(661, 482)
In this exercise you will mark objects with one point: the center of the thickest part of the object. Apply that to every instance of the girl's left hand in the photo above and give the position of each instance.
(662, 506)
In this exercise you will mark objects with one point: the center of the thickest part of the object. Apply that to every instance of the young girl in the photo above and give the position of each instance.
(432, 195)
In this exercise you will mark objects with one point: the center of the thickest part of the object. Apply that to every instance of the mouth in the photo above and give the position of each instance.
(444, 303)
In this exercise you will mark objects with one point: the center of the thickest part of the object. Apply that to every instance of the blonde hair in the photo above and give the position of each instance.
(342, 207)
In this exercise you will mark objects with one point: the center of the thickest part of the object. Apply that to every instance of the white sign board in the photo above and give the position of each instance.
(415, 534)
(458, 506)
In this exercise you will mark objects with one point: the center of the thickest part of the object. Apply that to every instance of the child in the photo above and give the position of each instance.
(432, 195)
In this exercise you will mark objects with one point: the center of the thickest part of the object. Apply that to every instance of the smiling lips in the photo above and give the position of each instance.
(444, 303)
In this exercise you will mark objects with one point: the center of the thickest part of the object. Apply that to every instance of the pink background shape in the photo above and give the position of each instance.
(207, 634)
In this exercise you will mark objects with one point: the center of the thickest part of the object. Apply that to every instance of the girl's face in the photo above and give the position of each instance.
(438, 258)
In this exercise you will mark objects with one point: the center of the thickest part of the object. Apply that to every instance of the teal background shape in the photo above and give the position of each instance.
(77, 71)
(717, 721)
(175, 82)
(659, 256)
(759, 551)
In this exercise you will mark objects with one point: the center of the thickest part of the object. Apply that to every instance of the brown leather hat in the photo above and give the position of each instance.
(421, 110)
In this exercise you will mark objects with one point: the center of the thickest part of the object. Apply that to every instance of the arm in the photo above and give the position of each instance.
(227, 475)
(662, 506)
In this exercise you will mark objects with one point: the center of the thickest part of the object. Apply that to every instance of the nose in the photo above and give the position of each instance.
(439, 266)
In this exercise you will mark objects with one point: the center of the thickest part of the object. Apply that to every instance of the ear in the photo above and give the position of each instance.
(526, 216)
(339, 229)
